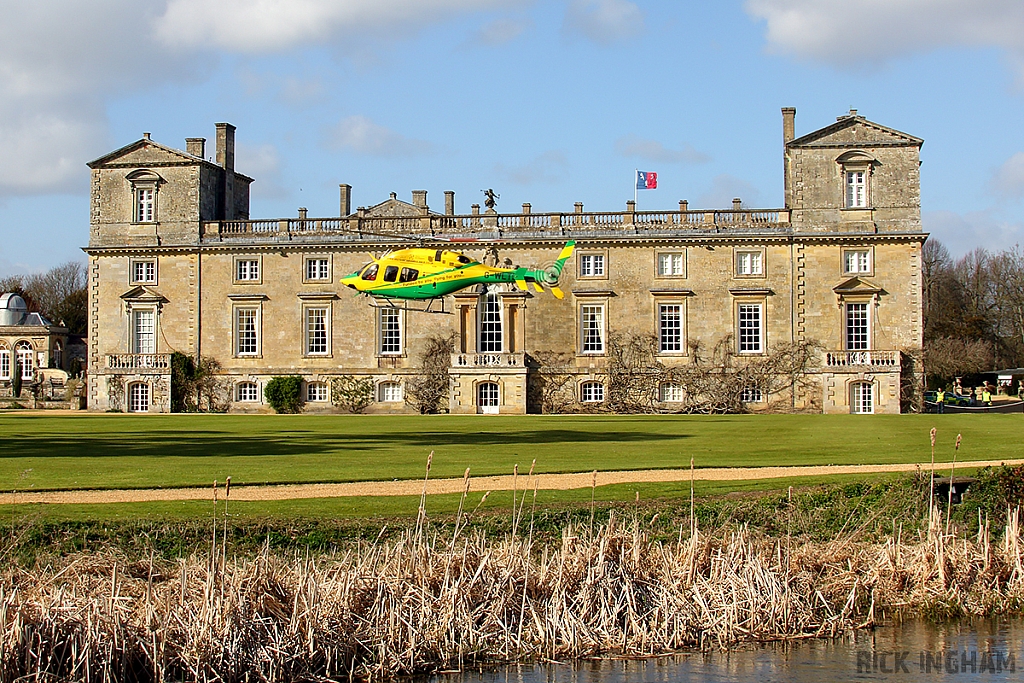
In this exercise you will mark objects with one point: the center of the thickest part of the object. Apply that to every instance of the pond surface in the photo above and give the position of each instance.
(988, 650)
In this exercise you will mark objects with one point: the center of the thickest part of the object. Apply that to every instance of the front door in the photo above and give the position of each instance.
(487, 398)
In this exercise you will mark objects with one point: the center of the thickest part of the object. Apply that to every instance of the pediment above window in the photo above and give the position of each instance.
(144, 295)
(144, 176)
(856, 158)
(855, 286)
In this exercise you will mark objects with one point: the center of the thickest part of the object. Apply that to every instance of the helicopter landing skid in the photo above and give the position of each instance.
(408, 305)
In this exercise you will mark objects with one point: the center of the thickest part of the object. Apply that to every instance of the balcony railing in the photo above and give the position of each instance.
(130, 362)
(861, 359)
(499, 225)
(488, 360)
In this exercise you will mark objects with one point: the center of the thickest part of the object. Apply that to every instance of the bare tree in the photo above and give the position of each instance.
(428, 392)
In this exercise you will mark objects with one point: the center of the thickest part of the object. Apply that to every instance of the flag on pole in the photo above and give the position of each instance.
(646, 180)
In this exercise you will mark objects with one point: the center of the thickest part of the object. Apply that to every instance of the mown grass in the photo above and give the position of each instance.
(46, 452)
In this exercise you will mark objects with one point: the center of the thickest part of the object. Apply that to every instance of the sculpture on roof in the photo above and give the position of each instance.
(490, 198)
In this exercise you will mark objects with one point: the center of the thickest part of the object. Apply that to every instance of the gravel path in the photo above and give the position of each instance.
(492, 483)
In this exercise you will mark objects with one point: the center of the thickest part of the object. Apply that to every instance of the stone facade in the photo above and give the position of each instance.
(182, 268)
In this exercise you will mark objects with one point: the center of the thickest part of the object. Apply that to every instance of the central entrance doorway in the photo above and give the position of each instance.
(487, 398)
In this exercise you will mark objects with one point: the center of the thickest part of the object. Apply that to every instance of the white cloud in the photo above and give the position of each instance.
(546, 168)
(604, 21)
(262, 163)
(849, 33)
(652, 150)
(500, 31)
(963, 232)
(1008, 180)
(261, 26)
(60, 63)
(361, 135)
(724, 188)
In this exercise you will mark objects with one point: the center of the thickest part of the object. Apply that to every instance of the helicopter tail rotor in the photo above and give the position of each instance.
(549, 275)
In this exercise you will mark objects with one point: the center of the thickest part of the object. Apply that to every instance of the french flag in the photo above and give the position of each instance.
(646, 180)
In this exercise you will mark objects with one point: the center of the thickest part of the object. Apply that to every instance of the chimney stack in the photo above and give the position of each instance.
(419, 198)
(449, 202)
(196, 147)
(345, 192)
(226, 146)
(788, 124)
(737, 203)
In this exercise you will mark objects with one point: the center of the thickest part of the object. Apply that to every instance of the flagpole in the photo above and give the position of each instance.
(636, 174)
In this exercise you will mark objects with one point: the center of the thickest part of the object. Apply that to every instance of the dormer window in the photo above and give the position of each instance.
(856, 190)
(144, 188)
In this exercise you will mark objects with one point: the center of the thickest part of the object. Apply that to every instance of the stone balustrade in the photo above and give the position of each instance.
(488, 360)
(859, 360)
(139, 362)
(500, 225)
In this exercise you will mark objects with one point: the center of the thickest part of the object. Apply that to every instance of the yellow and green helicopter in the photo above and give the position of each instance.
(424, 274)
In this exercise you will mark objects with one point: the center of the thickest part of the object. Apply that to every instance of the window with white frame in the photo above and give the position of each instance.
(856, 189)
(390, 320)
(750, 328)
(592, 328)
(138, 397)
(390, 392)
(591, 392)
(862, 398)
(670, 328)
(591, 265)
(751, 394)
(671, 393)
(857, 261)
(247, 270)
(144, 271)
(671, 264)
(58, 356)
(858, 328)
(248, 392)
(144, 331)
(316, 392)
(316, 331)
(26, 359)
(488, 395)
(318, 269)
(145, 204)
(5, 363)
(750, 263)
(491, 338)
(247, 331)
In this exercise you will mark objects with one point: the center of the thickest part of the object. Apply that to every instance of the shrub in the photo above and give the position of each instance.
(284, 394)
(353, 394)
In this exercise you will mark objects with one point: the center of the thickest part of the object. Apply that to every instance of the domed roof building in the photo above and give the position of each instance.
(29, 342)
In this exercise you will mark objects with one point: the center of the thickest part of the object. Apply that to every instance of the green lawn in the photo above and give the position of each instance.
(40, 452)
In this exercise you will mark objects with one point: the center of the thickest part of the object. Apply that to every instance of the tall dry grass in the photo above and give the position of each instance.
(422, 602)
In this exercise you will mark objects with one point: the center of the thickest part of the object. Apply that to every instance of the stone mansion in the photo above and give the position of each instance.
(177, 264)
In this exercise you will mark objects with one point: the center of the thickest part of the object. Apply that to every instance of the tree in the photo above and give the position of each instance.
(428, 392)
(284, 394)
(354, 394)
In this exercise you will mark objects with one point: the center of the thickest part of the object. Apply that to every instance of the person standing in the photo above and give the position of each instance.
(940, 399)
(986, 396)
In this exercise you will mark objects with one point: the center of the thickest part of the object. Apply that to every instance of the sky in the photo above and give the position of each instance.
(549, 102)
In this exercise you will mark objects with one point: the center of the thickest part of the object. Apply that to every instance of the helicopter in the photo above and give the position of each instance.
(424, 274)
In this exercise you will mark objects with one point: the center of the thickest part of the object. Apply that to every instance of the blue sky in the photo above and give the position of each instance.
(547, 102)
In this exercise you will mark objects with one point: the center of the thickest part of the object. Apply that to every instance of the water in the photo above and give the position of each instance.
(913, 651)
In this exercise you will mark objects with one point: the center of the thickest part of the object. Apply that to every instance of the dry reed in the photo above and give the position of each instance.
(420, 603)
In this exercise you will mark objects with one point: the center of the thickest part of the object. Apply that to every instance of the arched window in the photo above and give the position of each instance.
(248, 392)
(862, 398)
(138, 397)
(145, 184)
(26, 359)
(58, 356)
(592, 392)
(5, 361)
(389, 392)
(491, 337)
(487, 397)
(316, 392)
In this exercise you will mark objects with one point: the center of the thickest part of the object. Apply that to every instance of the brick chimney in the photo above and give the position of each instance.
(419, 198)
(345, 195)
(788, 124)
(226, 146)
(196, 147)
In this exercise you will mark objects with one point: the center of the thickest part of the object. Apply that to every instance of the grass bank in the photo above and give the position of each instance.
(57, 452)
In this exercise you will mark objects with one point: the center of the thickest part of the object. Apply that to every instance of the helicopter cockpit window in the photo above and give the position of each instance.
(408, 275)
(370, 272)
(437, 256)
(463, 259)
(390, 273)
